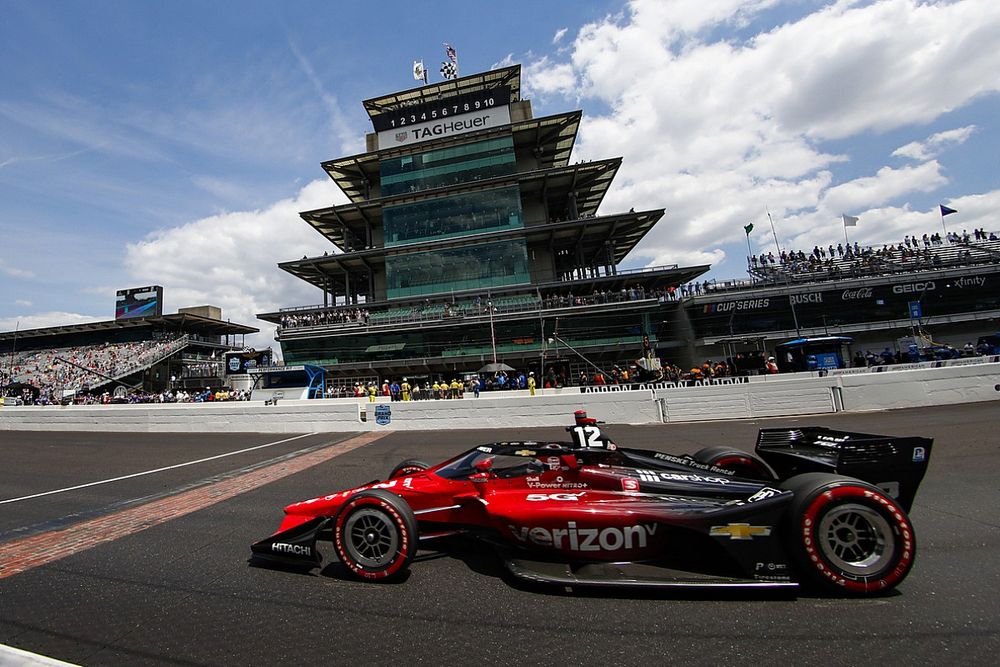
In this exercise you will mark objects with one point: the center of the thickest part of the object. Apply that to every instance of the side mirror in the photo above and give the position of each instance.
(569, 460)
(483, 465)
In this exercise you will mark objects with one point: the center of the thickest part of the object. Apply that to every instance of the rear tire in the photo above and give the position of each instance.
(408, 467)
(744, 464)
(848, 537)
(375, 535)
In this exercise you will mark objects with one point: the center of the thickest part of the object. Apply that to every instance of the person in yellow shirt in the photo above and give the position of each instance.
(531, 383)
(405, 390)
(372, 391)
(436, 390)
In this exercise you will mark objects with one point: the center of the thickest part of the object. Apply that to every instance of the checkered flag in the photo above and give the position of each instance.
(449, 70)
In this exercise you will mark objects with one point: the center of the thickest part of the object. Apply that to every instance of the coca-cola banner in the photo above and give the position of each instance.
(833, 304)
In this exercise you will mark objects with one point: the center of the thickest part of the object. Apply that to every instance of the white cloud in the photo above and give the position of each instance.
(544, 77)
(230, 260)
(14, 272)
(716, 129)
(560, 33)
(886, 185)
(935, 144)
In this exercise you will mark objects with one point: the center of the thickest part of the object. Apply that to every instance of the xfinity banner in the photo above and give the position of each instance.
(444, 127)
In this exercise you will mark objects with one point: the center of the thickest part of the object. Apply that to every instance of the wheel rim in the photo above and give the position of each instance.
(371, 539)
(856, 539)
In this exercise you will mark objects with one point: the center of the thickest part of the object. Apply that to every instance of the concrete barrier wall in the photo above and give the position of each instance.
(919, 388)
(797, 396)
(627, 407)
(235, 417)
(778, 396)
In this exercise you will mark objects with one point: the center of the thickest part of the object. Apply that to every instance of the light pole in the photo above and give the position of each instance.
(493, 337)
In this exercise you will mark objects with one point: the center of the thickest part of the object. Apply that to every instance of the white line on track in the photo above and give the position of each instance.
(151, 472)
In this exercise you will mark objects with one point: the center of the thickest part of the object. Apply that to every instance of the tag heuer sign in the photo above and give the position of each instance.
(383, 414)
(448, 126)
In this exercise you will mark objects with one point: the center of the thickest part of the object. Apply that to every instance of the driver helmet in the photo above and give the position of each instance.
(582, 419)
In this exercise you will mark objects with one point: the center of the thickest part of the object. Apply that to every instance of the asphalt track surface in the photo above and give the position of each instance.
(179, 591)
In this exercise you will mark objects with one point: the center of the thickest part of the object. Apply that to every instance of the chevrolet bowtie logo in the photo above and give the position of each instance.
(740, 531)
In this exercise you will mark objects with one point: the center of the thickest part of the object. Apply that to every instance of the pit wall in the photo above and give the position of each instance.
(736, 398)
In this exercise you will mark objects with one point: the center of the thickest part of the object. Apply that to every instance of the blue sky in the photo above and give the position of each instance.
(174, 143)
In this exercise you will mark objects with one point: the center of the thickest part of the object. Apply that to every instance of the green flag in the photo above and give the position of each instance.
(748, 228)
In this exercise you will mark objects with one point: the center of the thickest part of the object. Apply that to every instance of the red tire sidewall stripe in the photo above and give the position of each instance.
(895, 515)
(398, 561)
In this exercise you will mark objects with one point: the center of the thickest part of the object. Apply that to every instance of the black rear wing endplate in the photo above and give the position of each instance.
(894, 464)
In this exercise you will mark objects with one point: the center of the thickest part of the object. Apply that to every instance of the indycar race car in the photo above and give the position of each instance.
(810, 505)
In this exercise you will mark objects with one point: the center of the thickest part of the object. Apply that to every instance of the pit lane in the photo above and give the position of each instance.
(181, 593)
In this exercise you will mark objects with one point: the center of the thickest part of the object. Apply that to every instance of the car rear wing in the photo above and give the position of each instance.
(894, 464)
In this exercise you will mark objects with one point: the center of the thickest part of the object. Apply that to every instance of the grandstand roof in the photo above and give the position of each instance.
(590, 234)
(205, 326)
(551, 138)
(505, 76)
(589, 180)
(185, 322)
(109, 325)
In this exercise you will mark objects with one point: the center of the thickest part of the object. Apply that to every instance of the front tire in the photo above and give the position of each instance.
(375, 535)
(408, 467)
(848, 536)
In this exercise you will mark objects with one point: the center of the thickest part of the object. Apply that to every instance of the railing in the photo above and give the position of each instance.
(558, 279)
(872, 263)
(458, 313)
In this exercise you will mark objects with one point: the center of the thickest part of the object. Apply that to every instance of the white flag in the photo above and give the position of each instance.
(418, 70)
(850, 221)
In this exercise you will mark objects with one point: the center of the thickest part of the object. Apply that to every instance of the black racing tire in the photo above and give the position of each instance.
(848, 537)
(408, 467)
(744, 464)
(375, 535)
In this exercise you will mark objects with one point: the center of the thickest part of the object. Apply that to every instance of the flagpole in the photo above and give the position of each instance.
(777, 248)
(749, 252)
(846, 240)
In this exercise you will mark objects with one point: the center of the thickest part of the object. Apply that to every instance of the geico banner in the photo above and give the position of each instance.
(444, 127)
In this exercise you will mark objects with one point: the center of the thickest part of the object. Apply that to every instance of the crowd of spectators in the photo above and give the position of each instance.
(435, 309)
(135, 396)
(402, 389)
(358, 316)
(914, 353)
(848, 260)
(89, 366)
(635, 293)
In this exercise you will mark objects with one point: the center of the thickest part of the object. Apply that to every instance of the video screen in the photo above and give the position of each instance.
(139, 302)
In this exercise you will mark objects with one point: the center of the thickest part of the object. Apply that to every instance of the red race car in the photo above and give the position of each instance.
(590, 513)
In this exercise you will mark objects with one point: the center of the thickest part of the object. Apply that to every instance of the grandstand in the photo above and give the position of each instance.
(942, 289)
(182, 351)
